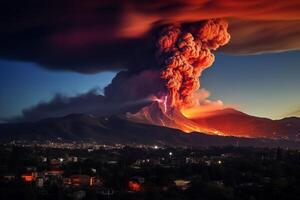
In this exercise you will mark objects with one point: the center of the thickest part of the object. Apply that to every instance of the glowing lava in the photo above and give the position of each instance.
(160, 113)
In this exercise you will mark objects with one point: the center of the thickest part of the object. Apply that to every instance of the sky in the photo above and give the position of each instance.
(60, 57)
(265, 85)
(30, 84)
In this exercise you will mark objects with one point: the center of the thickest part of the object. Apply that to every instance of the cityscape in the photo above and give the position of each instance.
(91, 171)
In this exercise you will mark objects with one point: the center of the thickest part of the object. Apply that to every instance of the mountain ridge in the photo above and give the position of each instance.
(116, 129)
(237, 123)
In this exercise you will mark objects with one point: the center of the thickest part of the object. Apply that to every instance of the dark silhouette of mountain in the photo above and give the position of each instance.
(236, 123)
(77, 127)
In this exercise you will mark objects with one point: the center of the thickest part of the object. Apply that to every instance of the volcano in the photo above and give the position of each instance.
(225, 122)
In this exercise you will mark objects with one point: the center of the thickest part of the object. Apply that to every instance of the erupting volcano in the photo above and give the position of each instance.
(184, 51)
(143, 61)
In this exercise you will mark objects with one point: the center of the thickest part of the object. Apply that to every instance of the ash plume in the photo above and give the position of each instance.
(186, 53)
(91, 102)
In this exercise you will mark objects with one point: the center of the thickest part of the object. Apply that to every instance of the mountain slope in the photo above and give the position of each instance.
(236, 123)
(118, 130)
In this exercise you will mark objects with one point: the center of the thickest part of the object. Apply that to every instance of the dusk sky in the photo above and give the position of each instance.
(73, 50)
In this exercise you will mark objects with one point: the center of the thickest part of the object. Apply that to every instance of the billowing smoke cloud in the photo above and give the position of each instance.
(186, 53)
(128, 86)
(91, 102)
(251, 37)
(93, 36)
(61, 105)
(205, 105)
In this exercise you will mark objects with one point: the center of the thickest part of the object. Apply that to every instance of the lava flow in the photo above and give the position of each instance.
(184, 51)
(160, 113)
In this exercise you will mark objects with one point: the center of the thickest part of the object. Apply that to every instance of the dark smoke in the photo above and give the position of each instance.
(91, 102)
(128, 86)
(91, 36)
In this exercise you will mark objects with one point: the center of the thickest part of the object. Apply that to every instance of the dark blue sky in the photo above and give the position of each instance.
(265, 85)
(25, 84)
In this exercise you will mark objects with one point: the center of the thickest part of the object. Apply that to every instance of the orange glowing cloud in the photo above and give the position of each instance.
(137, 19)
(93, 36)
(186, 53)
(203, 107)
(251, 37)
(277, 23)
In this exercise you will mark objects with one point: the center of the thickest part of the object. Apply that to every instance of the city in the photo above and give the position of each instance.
(97, 171)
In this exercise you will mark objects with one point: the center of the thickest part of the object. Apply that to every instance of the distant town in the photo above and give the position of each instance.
(82, 170)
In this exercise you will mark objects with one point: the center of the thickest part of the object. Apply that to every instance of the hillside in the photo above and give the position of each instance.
(116, 129)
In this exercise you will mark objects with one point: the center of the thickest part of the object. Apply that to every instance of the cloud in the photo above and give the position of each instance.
(91, 102)
(127, 86)
(127, 92)
(204, 106)
(61, 105)
(252, 37)
(93, 36)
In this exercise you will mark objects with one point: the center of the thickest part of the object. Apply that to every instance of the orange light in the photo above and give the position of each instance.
(134, 186)
(27, 178)
(55, 172)
(92, 181)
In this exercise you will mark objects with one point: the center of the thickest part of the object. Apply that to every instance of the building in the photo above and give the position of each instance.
(182, 184)
(39, 181)
(135, 184)
(83, 180)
